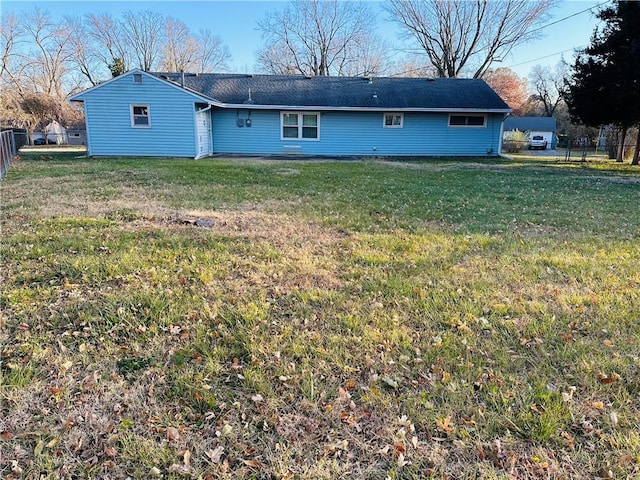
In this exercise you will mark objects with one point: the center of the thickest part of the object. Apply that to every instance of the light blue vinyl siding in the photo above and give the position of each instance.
(355, 133)
(108, 118)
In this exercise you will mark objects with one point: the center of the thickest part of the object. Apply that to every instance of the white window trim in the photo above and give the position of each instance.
(299, 138)
(133, 124)
(484, 121)
(384, 120)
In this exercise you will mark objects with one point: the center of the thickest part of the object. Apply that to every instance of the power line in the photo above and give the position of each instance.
(533, 31)
(546, 56)
(569, 16)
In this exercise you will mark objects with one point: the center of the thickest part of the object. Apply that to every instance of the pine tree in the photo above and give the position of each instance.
(605, 83)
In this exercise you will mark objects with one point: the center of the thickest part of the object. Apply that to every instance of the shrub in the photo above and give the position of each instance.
(514, 141)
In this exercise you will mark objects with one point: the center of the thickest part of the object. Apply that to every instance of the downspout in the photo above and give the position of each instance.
(500, 154)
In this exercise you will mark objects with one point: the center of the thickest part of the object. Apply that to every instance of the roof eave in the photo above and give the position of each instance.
(253, 106)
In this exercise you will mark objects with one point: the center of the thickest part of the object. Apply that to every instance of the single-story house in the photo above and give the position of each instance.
(196, 115)
(534, 126)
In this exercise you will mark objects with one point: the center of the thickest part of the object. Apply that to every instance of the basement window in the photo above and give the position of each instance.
(467, 120)
(140, 117)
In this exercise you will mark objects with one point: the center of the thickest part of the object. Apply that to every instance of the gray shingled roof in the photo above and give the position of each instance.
(535, 124)
(343, 92)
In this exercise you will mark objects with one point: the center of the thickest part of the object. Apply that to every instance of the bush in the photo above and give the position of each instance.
(514, 141)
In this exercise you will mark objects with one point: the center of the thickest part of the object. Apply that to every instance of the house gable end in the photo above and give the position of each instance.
(144, 115)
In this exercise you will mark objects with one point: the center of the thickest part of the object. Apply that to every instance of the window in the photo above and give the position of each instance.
(467, 120)
(300, 126)
(393, 120)
(137, 78)
(140, 116)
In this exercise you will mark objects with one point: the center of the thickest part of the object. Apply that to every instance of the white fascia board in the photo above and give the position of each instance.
(316, 108)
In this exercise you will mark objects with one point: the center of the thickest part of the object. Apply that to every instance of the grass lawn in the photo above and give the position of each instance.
(233, 319)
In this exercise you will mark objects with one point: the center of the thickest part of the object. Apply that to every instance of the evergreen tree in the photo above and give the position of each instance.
(117, 67)
(605, 83)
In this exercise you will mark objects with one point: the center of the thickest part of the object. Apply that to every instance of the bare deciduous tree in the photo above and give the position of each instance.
(144, 31)
(548, 86)
(11, 66)
(46, 65)
(179, 49)
(83, 51)
(213, 52)
(464, 37)
(318, 37)
(203, 53)
(110, 40)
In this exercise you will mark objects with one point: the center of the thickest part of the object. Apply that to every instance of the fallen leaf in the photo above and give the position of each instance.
(154, 472)
(399, 448)
(110, 452)
(390, 382)
(625, 460)
(180, 469)
(568, 438)
(257, 398)
(444, 424)
(598, 405)
(55, 391)
(215, 454)
(186, 458)
(607, 379)
(38, 448)
(385, 450)
(53, 442)
(252, 463)
(173, 434)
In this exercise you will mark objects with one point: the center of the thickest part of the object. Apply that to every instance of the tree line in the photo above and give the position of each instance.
(43, 60)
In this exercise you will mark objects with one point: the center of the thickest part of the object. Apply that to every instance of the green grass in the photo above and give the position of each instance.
(438, 318)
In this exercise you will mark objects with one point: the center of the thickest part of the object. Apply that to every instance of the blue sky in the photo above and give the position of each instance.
(235, 22)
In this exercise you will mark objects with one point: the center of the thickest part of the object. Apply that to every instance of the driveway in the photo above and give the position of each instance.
(543, 153)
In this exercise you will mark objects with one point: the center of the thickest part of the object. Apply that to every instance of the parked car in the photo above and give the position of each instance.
(42, 141)
(538, 141)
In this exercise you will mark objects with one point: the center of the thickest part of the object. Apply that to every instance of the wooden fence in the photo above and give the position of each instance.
(8, 150)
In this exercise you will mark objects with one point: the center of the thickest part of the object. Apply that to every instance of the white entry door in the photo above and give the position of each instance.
(203, 120)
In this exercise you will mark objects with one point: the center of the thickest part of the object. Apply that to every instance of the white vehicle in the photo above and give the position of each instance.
(538, 141)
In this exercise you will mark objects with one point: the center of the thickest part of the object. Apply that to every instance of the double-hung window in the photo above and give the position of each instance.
(140, 116)
(300, 125)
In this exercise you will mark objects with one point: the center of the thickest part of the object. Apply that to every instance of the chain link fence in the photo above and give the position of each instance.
(8, 150)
